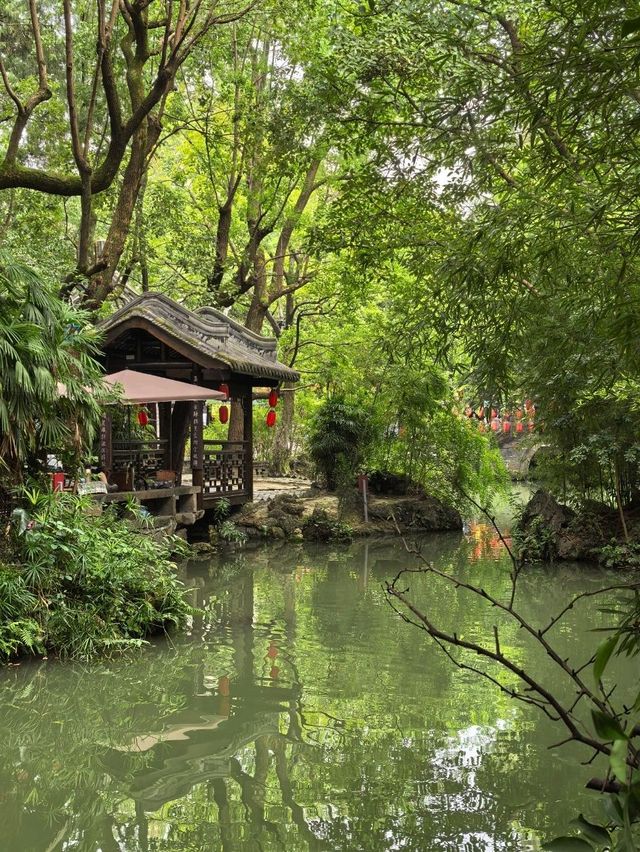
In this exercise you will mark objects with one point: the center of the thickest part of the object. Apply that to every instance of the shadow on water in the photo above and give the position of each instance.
(300, 713)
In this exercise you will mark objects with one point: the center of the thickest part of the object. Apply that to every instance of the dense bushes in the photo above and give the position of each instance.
(412, 432)
(74, 582)
(50, 380)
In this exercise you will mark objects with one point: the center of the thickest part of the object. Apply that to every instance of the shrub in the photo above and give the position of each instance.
(225, 529)
(75, 583)
(340, 436)
(320, 526)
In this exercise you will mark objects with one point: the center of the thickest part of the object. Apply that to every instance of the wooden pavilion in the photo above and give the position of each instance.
(153, 334)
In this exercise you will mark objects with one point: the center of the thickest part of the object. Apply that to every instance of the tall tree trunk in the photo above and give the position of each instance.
(254, 321)
(103, 282)
(284, 433)
(260, 298)
(214, 281)
(282, 445)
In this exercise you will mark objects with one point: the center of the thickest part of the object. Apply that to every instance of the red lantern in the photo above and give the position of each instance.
(273, 398)
(495, 424)
(519, 426)
(518, 414)
(531, 425)
(223, 413)
(271, 418)
(494, 413)
(224, 388)
(506, 426)
(143, 418)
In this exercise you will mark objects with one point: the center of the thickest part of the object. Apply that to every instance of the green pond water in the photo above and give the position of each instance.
(301, 713)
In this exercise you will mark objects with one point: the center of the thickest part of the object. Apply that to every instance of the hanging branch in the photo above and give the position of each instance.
(534, 692)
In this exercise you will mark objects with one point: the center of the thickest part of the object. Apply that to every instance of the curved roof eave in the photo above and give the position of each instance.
(208, 332)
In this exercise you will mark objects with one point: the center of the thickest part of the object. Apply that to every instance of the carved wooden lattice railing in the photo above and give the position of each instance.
(145, 457)
(225, 468)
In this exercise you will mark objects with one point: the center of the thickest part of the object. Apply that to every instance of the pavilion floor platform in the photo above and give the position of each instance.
(177, 502)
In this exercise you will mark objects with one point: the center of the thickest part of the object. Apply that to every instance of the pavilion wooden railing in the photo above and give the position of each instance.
(226, 471)
(143, 457)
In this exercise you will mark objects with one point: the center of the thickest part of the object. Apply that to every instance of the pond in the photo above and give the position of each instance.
(300, 713)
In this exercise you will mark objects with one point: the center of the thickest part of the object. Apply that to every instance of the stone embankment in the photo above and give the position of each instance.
(321, 516)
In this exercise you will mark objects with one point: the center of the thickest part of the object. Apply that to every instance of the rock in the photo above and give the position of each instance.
(426, 514)
(202, 547)
(548, 530)
(290, 515)
(276, 532)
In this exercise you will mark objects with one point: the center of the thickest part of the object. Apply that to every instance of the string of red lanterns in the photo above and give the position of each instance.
(502, 422)
(223, 411)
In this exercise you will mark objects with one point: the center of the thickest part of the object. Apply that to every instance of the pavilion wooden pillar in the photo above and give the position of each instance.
(197, 449)
(247, 435)
(106, 445)
(180, 421)
(164, 423)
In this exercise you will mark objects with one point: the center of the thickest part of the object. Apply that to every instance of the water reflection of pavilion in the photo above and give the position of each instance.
(195, 747)
(228, 738)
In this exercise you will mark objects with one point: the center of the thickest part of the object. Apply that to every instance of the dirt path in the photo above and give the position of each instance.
(264, 488)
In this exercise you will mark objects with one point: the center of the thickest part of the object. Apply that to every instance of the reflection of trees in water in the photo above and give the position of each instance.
(290, 720)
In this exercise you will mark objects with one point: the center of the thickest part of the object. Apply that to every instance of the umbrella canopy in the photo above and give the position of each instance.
(140, 388)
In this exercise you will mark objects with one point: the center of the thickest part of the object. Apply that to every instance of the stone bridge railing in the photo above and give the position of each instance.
(518, 452)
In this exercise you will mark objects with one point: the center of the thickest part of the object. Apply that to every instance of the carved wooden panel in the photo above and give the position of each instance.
(224, 471)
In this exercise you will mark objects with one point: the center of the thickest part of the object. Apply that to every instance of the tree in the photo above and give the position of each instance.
(612, 728)
(114, 96)
(502, 161)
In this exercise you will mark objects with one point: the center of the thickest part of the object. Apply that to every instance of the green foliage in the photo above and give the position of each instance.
(319, 526)
(340, 436)
(231, 533)
(536, 543)
(81, 582)
(49, 376)
(225, 529)
(617, 555)
(221, 510)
